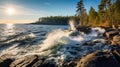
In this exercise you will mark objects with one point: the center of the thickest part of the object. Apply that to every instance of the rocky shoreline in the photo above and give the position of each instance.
(106, 58)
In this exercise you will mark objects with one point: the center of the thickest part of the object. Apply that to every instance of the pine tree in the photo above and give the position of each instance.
(113, 11)
(92, 15)
(117, 12)
(81, 11)
(102, 10)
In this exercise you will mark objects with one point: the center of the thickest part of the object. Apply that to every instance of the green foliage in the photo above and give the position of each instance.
(81, 12)
(108, 13)
(54, 20)
(92, 14)
(58, 20)
(117, 10)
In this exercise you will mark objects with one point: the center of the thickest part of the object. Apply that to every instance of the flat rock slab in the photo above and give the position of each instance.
(111, 34)
(5, 60)
(116, 40)
(31, 61)
(98, 59)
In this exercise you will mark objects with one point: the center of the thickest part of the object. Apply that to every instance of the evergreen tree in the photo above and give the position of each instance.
(92, 15)
(81, 11)
(102, 10)
(117, 12)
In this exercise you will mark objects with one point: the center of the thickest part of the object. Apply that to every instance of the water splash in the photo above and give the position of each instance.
(53, 38)
(72, 24)
(60, 46)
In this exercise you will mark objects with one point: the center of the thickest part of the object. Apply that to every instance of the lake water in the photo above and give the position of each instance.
(52, 41)
(10, 34)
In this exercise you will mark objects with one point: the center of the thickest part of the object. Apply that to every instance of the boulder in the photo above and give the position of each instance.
(25, 61)
(70, 64)
(116, 40)
(98, 59)
(47, 63)
(32, 61)
(84, 29)
(6, 60)
(111, 34)
(116, 54)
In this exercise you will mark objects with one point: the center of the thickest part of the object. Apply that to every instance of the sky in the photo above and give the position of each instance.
(27, 11)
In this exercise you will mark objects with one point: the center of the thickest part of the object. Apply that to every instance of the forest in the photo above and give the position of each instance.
(54, 20)
(108, 14)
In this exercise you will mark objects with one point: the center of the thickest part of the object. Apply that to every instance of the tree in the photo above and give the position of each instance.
(107, 11)
(113, 11)
(81, 11)
(102, 10)
(117, 11)
(92, 15)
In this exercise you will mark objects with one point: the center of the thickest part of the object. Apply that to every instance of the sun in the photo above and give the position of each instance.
(10, 11)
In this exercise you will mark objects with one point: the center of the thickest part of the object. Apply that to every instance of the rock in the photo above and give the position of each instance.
(74, 33)
(111, 34)
(84, 29)
(32, 61)
(98, 59)
(25, 61)
(5, 60)
(116, 40)
(70, 64)
(47, 64)
(116, 54)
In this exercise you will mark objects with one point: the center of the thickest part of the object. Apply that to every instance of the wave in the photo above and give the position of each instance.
(60, 46)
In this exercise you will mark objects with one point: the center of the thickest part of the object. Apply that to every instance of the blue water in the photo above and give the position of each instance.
(51, 41)
(22, 34)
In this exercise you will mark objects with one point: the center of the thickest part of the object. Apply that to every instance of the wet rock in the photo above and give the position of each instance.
(84, 29)
(26, 61)
(70, 64)
(111, 34)
(116, 54)
(5, 60)
(32, 61)
(116, 40)
(74, 33)
(47, 64)
(98, 59)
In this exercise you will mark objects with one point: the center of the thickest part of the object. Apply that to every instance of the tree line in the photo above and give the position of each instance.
(108, 13)
(54, 20)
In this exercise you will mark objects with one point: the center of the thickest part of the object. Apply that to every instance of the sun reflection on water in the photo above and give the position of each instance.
(9, 29)
(9, 26)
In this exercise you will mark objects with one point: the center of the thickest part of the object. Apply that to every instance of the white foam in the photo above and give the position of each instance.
(59, 46)
(69, 42)
(53, 38)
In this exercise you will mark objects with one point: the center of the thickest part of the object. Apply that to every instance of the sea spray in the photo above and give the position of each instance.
(73, 24)
(59, 46)
(53, 38)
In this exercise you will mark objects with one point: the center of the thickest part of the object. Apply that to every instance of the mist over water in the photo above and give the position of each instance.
(53, 42)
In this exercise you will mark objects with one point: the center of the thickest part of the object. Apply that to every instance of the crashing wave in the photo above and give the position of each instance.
(60, 46)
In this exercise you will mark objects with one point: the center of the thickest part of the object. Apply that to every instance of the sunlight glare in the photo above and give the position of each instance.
(9, 29)
(10, 11)
(9, 26)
